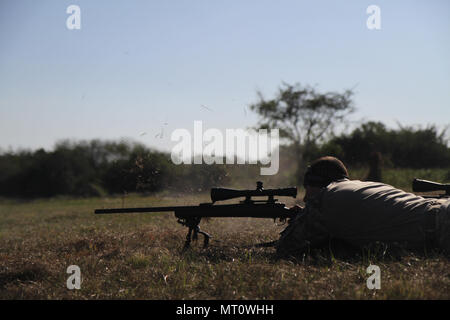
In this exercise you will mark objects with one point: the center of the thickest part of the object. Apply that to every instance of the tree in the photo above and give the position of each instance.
(405, 147)
(303, 116)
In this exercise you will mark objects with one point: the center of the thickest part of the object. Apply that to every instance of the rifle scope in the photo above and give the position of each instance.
(218, 194)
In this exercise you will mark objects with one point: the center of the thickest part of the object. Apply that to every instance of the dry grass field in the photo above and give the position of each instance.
(139, 256)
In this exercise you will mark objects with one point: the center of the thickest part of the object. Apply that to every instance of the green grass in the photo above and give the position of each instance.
(402, 178)
(139, 256)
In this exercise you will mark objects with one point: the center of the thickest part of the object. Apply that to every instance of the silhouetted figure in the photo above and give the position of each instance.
(375, 163)
(361, 214)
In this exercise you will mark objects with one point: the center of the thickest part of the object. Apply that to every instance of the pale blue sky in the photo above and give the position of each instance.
(140, 67)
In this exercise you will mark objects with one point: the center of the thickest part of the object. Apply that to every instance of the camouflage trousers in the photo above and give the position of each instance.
(443, 226)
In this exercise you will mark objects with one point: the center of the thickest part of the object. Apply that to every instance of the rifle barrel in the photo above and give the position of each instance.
(252, 210)
(144, 209)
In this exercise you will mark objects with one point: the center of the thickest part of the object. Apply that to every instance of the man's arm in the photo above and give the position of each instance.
(305, 231)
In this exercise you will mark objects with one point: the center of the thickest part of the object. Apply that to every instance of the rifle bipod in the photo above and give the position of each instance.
(193, 224)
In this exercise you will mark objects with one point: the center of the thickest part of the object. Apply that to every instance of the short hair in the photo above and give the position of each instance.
(323, 171)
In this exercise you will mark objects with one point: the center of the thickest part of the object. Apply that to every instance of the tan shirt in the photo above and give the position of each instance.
(370, 211)
(359, 213)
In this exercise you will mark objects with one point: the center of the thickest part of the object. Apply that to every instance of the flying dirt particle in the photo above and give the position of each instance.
(205, 107)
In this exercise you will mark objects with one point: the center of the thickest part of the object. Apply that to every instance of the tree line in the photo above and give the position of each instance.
(94, 168)
(405, 147)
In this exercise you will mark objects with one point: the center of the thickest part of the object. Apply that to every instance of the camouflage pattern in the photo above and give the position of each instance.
(304, 232)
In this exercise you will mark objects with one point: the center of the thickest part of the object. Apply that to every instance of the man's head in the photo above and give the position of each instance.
(321, 173)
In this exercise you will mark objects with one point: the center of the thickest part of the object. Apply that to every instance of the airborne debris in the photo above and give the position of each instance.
(205, 107)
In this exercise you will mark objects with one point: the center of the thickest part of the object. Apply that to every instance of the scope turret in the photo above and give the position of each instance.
(218, 194)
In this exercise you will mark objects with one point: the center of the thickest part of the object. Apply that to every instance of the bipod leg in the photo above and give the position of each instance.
(194, 236)
(187, 243)
(193, 224)
(205, 235)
